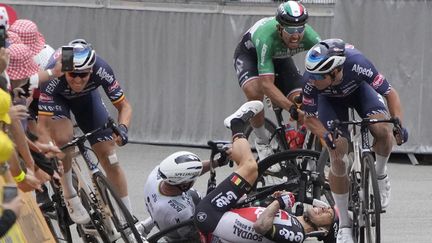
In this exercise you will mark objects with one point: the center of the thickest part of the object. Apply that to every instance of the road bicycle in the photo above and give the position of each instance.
(218, 150)
(110, 219)
(364, 200)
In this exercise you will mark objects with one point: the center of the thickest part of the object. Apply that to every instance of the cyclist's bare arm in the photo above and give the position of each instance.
(394, 104)
(265, 220)
(315, 126)
(271, 91)
(124, 112)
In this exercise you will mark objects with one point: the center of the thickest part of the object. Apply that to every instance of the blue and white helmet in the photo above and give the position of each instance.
(180, 167)
(84, 55)
(323, 57)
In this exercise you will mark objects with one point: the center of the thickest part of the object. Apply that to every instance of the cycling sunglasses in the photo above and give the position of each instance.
(316, 76)
(81, 75)
(294, 29)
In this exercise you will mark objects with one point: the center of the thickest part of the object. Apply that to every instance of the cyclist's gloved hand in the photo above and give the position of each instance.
(123, 134)
(329, 140)
(293, 112)
(400, 134)
(286, 200)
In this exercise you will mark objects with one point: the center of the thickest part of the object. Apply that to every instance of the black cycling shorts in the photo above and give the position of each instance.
(223, 198)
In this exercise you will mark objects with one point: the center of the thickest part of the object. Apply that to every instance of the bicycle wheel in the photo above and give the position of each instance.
(159, 236)
(120, 215)
(371, 233)
(292, 162)
(88, 232)
(57, 216)
(271, 129)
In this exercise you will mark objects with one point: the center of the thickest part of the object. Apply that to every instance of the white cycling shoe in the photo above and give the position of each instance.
(385, 191)
(345, 235)
(76, 210)
(245, 112)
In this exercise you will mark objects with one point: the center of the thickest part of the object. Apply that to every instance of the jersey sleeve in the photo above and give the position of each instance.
(46, 105)
(363, 69)
(108, 81)
(310, 97)
(310, 37)
(264, 49)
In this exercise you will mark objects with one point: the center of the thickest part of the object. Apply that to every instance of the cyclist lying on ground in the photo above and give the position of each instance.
(217, 219)
(168, 193)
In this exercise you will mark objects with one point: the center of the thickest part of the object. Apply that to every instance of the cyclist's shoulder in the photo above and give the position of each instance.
(102, 71)
(264, 31)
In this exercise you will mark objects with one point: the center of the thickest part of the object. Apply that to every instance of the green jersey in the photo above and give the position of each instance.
(268, 44)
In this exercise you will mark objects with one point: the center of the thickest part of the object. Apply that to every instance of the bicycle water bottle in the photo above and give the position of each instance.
(301, 134)
(290, 135)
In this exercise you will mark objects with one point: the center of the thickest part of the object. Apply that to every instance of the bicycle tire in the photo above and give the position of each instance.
(371, 232)
(111, 198)
(96, 220)
(57, 217)
(159, 235)
(291, 157)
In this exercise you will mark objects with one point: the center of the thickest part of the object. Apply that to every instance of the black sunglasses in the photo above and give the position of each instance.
(81, 75)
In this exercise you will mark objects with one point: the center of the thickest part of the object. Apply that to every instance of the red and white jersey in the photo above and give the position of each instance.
(236, 226)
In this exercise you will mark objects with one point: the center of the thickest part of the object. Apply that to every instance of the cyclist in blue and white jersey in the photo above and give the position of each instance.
(76, 92)
(339, 77)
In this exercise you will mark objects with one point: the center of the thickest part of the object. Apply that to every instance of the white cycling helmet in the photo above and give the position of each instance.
(325, 56)
(180, 167)
(84, 55)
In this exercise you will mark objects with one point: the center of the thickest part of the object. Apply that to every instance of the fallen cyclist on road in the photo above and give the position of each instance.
(169, 196)
(219, 221)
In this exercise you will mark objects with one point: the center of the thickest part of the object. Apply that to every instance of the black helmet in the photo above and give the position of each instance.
(291, 13)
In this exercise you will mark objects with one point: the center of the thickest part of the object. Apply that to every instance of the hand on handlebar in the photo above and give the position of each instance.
(122, 138)
(329, 140)
(225, 156)
(401, 134)
(293, 112)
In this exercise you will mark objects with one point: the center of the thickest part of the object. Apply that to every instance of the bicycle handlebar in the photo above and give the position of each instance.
(336, 124)
(76, 140)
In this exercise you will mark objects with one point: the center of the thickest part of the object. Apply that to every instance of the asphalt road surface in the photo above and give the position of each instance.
(408, 218)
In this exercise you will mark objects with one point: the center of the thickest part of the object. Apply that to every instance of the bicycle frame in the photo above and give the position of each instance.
(91, 191)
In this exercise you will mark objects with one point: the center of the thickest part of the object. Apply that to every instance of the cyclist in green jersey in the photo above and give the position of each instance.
(264, 65)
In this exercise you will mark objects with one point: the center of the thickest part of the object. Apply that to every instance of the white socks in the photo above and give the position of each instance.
(261, 134)
(341, 201)
(380, 165)
(68, 189)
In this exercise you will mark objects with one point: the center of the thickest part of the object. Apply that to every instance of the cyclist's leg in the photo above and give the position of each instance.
(56, 117)
(330, 109)
(92, 116)
(373, 106)
(213, 206)
(245, 64)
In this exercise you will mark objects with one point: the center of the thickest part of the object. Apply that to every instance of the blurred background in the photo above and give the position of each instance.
(174, 57)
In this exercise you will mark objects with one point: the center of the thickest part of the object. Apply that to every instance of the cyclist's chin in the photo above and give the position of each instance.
(77, 88)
